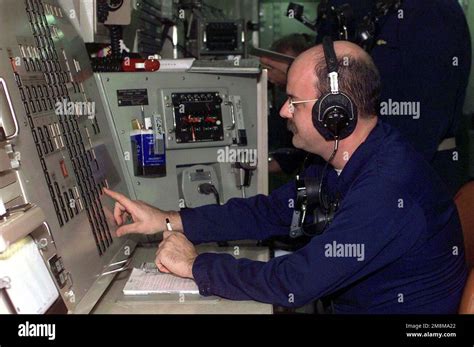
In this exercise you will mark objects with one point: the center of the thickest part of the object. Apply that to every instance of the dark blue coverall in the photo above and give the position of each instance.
(394, 208)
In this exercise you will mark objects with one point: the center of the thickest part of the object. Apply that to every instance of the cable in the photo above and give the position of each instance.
(183, 49)
(331, 158)
(115, 37)
(336, 147)
(165, 35)
(102, 11)
(208, 188)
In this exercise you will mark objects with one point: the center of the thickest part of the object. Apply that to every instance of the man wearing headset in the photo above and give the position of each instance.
(409, 44)
(395, 243)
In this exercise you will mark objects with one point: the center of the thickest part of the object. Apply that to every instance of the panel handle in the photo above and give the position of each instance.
(12, 111)
(232, 114)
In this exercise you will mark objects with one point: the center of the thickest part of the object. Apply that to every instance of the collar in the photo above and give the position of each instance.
(362, 156)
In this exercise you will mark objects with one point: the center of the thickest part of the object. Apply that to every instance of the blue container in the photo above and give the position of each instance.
(149, 153)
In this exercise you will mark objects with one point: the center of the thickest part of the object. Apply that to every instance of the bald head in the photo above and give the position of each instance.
(358, 76)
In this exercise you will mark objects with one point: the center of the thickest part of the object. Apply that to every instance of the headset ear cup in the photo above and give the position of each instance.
(334, 115)
(336, 120)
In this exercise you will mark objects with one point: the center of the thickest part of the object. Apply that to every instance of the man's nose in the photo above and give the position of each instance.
(285, 110)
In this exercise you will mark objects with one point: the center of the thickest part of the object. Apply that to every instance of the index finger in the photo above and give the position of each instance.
(122, 199)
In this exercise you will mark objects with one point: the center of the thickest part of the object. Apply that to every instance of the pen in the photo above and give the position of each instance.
(168, 225)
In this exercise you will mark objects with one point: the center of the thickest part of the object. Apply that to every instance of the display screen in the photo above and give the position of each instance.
(198, 117)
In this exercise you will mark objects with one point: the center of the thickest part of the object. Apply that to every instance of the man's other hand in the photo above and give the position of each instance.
(176, 255)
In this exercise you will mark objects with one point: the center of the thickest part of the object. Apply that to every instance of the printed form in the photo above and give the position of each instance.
(148, 280)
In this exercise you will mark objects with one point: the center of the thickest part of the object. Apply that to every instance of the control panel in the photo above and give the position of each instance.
(209, 122)
(198, 116)
(60, 151)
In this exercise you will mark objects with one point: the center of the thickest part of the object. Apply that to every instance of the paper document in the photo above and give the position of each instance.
(144, 282)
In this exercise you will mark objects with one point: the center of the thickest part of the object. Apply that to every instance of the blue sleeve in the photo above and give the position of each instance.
(255, 218)
(383, 226)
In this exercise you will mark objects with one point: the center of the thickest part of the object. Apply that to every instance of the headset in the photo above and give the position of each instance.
(334, 114)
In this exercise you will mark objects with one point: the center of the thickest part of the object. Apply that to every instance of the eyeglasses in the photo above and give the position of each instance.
(292, 103)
